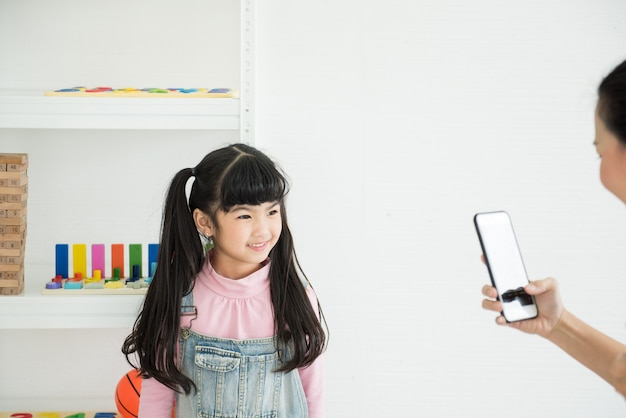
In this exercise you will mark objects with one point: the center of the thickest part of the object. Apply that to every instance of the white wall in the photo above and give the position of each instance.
(396, 122)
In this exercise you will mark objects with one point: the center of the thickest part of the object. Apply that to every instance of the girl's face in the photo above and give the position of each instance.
(613, 156)
(244, 238)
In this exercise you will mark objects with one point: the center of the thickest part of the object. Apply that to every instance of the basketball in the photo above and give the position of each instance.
(127, 394)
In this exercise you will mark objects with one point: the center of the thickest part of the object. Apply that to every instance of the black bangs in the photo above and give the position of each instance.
(251, 181)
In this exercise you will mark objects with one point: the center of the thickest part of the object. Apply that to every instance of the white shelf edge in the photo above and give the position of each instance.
(24, 109)
(35, 311)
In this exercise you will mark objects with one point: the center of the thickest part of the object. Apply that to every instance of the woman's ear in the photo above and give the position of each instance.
(203, 222)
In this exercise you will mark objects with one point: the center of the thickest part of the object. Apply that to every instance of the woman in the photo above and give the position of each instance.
(595, 350)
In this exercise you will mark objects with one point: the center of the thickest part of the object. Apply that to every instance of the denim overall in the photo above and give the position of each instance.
(235, 378)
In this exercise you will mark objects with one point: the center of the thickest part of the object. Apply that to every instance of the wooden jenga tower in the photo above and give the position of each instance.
(13, 196)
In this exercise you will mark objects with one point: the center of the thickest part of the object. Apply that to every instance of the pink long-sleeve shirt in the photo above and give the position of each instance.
(235, 309)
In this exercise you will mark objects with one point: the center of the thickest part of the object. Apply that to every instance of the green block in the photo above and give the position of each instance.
(134, 258)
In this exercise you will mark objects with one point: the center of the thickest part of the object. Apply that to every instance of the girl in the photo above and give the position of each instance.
(235, 331)
(597, 351)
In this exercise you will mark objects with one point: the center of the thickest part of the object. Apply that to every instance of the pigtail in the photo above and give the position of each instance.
(155, 333)
(296, 321)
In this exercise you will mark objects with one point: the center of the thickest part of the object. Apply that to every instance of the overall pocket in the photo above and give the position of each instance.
(217, 379)
(234, 385)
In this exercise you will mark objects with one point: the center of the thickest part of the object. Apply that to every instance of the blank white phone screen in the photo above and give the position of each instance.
(505, 264)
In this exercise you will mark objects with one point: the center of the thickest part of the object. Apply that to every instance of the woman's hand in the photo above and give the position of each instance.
(549, 305)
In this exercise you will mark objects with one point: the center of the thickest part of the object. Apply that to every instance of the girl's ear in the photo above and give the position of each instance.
(203, 222)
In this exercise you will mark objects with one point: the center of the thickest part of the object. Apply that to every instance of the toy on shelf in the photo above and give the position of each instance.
(98, 283)
(146, 93)
(13, 196)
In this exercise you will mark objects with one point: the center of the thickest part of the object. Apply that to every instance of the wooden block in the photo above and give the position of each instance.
(13, 198)
(8, 158)
(61, 260)
(135, 259)
(20, 236)
(13, 205)
(13, 168)
(11, 252)
(19, 182)
(11, 275)
(117, 259)
(17, 167)
(13, 213)
(10, 168)
(97, 260)
(11, 261)
(14, 190)
(12, 245)
(79, 253)
(9, 283)
(12, 221)
(12, 283)
(12, 229)
(12, 291)
(13, 174)
(11, 268)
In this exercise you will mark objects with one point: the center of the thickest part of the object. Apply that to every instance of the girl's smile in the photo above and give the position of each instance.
(244, 237)
(259, 246)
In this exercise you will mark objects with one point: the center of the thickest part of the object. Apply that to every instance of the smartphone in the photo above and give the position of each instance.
(505, 265)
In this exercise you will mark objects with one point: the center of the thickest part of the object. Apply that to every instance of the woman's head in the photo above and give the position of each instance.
(612, 102)
(610, 127)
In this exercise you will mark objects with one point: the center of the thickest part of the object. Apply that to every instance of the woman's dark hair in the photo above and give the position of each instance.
(235, 175)
(612, 102)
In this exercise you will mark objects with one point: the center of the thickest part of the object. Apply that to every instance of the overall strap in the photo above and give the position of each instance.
(188, 312)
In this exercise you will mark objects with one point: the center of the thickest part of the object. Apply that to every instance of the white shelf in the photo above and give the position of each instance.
(27, 109)
(31, 109)
(36, 311)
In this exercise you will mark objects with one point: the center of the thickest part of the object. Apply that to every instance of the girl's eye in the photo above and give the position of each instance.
(273, 212)
(243, 217)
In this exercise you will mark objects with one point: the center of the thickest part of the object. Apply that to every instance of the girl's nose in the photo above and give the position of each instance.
(261, 228)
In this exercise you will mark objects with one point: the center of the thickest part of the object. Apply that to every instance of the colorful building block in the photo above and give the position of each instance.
(153, 252)
(135, 259)
(97, 259)
(117, 258)
(62, 260)
(79, 253)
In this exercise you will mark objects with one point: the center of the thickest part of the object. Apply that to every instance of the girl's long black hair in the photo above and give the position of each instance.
(234, 175)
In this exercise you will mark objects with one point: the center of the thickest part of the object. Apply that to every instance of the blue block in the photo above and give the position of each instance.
(153, 251)
(62, 260)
